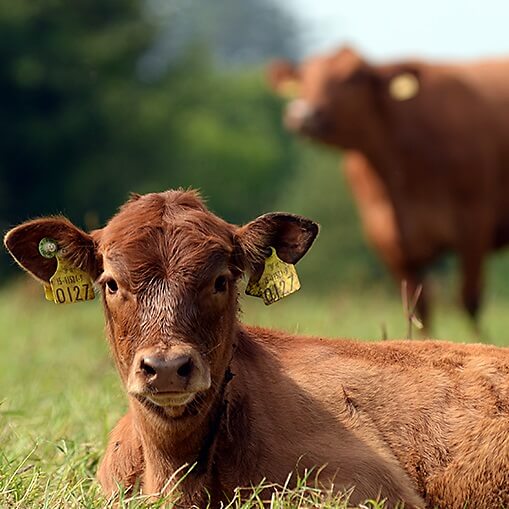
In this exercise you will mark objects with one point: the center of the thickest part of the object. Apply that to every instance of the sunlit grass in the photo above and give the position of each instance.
(60, 394)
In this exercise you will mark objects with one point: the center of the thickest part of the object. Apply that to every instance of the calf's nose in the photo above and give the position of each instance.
(167, 374)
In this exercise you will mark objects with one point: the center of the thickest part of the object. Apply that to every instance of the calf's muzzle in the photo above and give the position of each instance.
(168, 377)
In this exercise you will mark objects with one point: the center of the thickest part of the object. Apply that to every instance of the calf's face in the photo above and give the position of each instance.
(169, 298)
(168, 270)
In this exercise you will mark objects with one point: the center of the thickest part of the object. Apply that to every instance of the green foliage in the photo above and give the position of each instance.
(242, 159)
(58, 63)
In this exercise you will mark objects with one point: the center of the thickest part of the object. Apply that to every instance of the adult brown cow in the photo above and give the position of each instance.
(425, 423)
(427, 155)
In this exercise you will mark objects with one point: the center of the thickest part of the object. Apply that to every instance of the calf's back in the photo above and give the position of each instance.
(434, 414)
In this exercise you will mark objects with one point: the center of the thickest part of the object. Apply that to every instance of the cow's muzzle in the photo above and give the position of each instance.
(168, 378)
(304, 118)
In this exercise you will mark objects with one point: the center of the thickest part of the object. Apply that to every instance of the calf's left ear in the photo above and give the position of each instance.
(289, 234)
(78, 247)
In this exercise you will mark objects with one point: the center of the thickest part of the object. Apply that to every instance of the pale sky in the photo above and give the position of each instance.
(385, 29)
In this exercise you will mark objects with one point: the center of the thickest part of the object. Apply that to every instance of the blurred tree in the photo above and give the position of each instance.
(58, 61)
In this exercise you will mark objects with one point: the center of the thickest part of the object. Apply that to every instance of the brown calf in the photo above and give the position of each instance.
(424, 423)
(427, 154)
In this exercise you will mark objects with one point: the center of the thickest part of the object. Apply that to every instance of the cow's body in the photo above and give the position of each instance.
(424, 423)
(430, 173)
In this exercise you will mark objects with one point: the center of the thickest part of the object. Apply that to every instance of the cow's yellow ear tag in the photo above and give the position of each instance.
(68, 284)
(404, 86)
(278, 280)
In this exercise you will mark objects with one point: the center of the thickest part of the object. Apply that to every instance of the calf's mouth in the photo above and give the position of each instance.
(170, 399)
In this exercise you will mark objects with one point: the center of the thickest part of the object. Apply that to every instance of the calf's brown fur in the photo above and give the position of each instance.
(423, 423)
(429, 170)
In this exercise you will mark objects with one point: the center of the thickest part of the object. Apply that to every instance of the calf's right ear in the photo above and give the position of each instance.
(289, 234)
(78, 247)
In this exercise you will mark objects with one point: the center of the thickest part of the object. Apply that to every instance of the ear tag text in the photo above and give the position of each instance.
(404, 86)
(278, 280)
(68, 284)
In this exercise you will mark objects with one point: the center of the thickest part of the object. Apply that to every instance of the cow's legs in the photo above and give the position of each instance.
(381, 227)
(472, 250)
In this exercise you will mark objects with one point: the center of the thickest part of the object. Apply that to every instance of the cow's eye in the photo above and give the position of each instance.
(221, 284)
(111, 286)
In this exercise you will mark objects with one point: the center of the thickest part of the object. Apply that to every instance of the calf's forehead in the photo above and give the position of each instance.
(156, 235)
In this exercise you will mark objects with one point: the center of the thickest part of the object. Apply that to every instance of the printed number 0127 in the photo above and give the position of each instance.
(72, 294)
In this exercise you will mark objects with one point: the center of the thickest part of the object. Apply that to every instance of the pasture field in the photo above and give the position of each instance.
(60, 394)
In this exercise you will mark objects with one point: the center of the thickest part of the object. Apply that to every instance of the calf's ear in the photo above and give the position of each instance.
(78, 247)
(290, 235)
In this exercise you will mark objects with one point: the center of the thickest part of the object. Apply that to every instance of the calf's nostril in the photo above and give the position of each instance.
(185, 370)
(146, 367)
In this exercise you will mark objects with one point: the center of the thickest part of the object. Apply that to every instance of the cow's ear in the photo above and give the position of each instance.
(283, 78)
(290, 235)
(78, 247)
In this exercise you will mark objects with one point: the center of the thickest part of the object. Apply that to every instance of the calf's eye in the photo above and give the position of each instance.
(111, 286)
(221, 284)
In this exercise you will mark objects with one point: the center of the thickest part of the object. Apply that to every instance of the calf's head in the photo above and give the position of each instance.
(168, 269)
(337, 97)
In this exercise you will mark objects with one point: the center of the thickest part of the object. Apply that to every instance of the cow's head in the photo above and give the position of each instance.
(168, 269)
(336, 98)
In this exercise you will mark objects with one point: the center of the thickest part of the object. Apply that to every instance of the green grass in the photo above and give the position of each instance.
(60, 394)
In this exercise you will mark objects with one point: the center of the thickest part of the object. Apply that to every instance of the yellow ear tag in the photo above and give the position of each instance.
(404, 86)
(68, 284)
(278, 280)
(289, 89)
